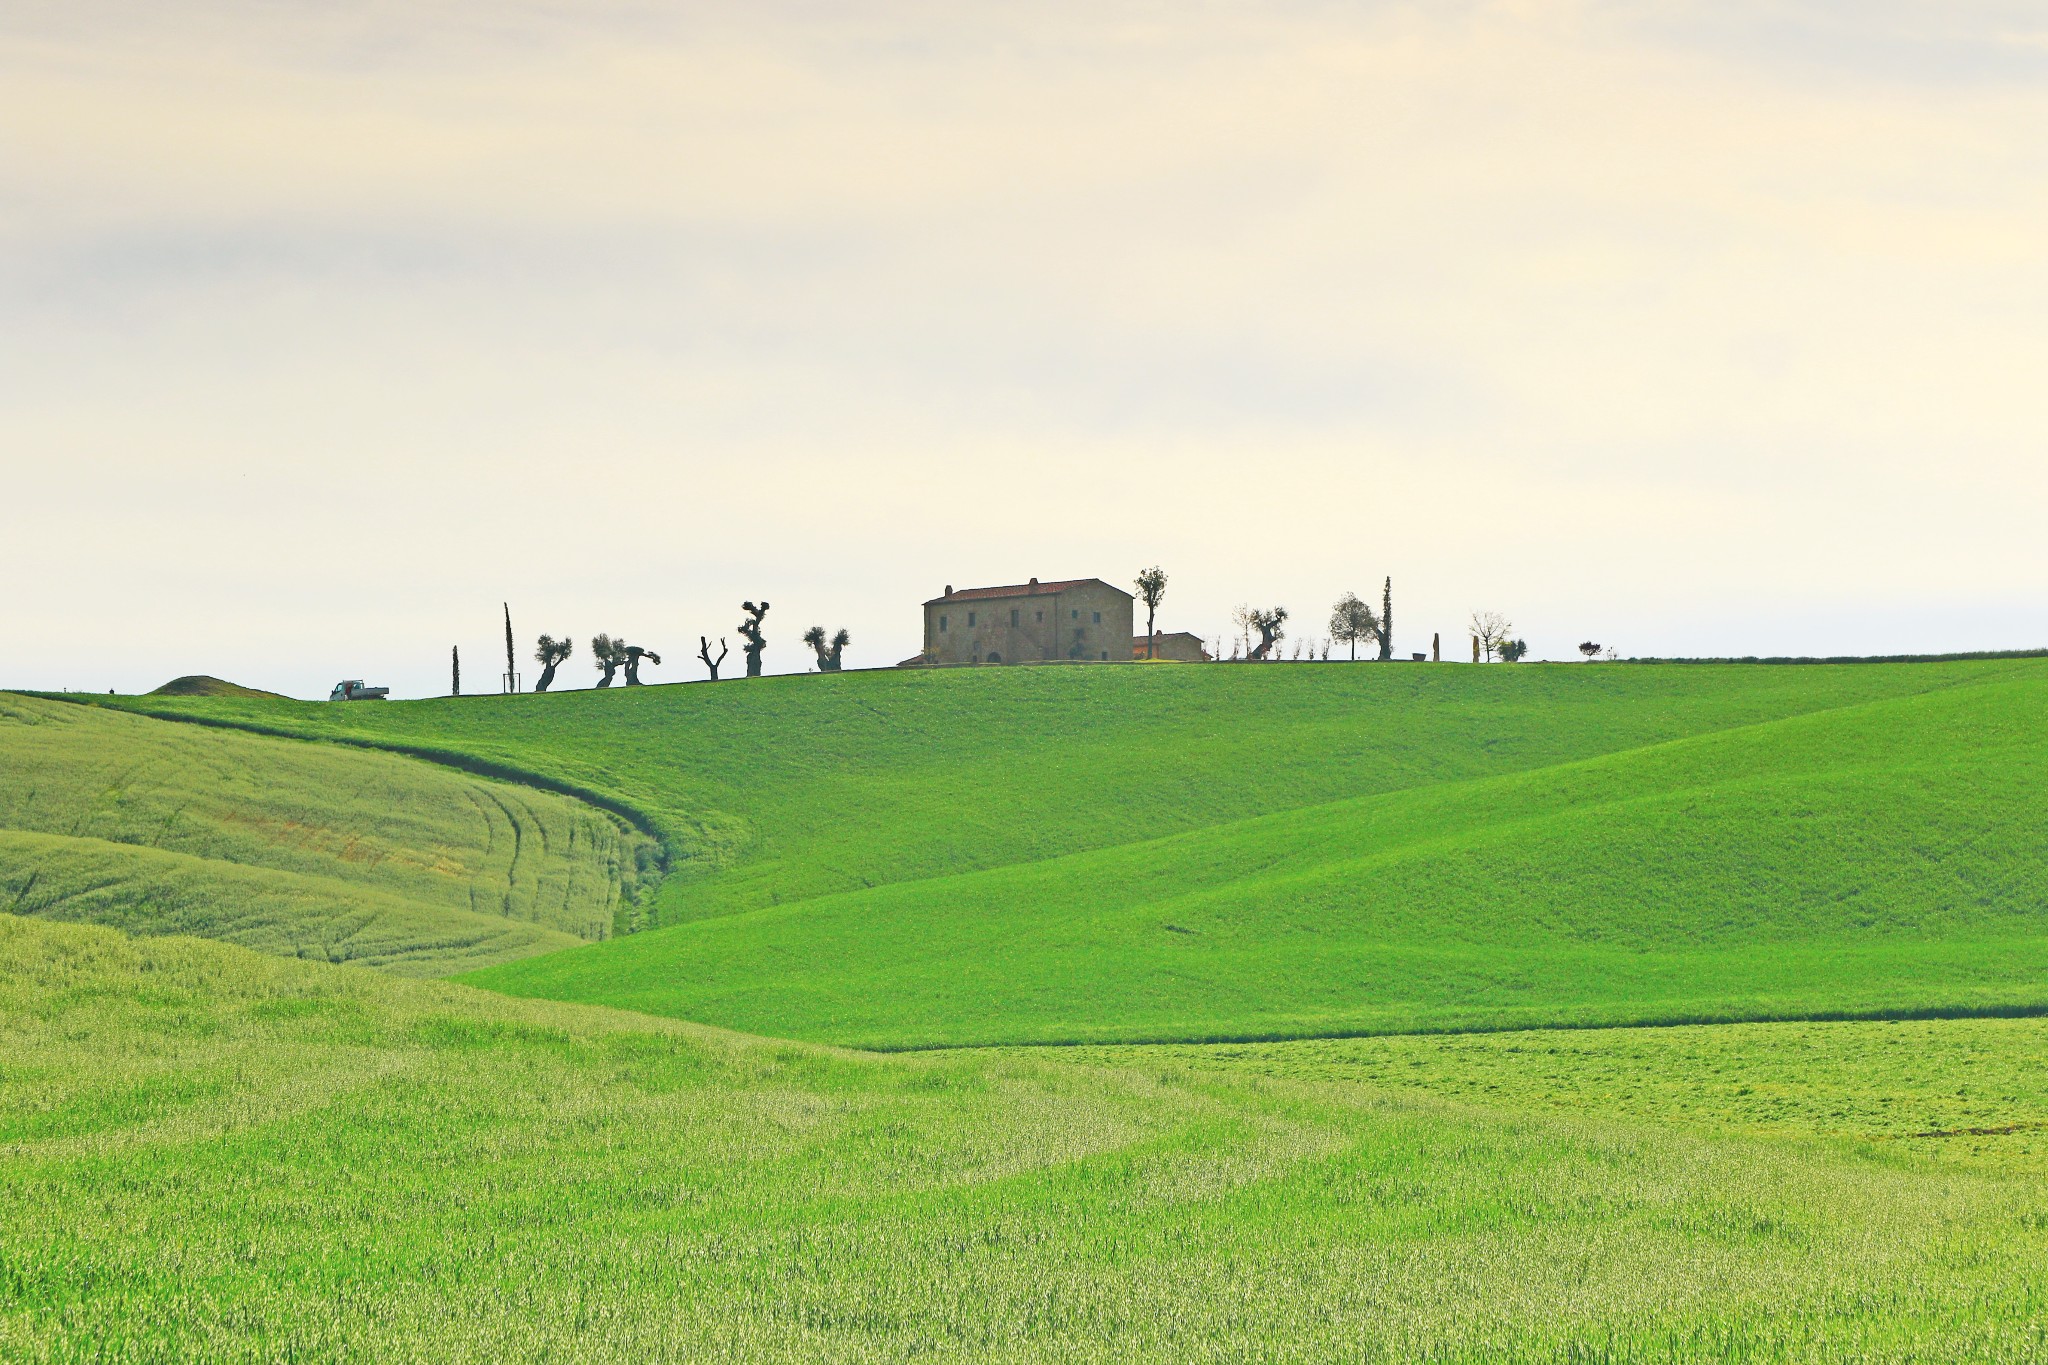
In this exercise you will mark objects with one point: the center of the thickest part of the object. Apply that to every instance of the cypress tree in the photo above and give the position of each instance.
(1387, 619)
(510, 667)
(455, 670)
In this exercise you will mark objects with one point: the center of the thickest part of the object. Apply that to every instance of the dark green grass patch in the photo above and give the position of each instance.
(774, 790)
(1888, 858)
(202, 685)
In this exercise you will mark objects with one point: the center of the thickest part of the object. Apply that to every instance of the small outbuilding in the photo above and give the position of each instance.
(1182, 646)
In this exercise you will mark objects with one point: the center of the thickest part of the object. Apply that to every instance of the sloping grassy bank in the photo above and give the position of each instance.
(210, 1154)
(312, 850)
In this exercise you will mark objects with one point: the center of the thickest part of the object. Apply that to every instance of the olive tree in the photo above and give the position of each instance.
(1268, 622)
(828, 652)
(607, 655)
(549, 656)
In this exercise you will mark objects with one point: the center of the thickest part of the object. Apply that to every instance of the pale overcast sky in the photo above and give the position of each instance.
(1691, 326)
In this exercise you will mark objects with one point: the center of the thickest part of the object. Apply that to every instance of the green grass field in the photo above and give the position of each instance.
(317, 851)
(206, 1153)
(210, 1154)
(1881, 858)
(780, 789)
(1064, 855)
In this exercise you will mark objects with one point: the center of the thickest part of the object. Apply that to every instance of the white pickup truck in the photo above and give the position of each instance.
(353, 690)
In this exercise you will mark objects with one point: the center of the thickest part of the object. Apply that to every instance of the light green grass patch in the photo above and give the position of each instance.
(1972, 1091)
(323, 919)
(213, 1154)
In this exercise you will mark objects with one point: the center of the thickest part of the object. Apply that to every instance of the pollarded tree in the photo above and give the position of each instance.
(1352, 621)
(1490, 628)
(704, 653)
(750, 631)
(549, 656)
(1513, 651)
(1152, 588)
(1267, 621)
(1590, 650)
(828, 652)
(634, 654)
(607, 654)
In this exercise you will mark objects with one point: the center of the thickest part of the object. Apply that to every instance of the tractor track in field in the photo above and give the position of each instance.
(446, 758)
(1874, 1016)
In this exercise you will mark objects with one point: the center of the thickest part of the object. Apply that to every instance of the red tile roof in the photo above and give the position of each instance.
(1031, 589)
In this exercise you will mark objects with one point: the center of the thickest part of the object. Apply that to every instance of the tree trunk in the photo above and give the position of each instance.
(1151, 630)
(611, 670)
(547, 678)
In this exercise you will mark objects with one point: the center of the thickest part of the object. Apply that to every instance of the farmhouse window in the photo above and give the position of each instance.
(1098, 621)
(942, 625)
(1014, 614)
(1041, 618)
(970, 620)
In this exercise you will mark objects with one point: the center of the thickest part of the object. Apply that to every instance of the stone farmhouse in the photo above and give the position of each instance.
(1083, 619)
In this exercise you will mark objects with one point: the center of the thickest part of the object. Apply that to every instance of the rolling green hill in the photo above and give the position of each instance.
(991, 856)
(1882, 858)
(779, 789)
(210, 1154)
(308, 850)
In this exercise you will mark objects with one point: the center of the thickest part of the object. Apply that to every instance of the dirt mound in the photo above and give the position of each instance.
(200, 685)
